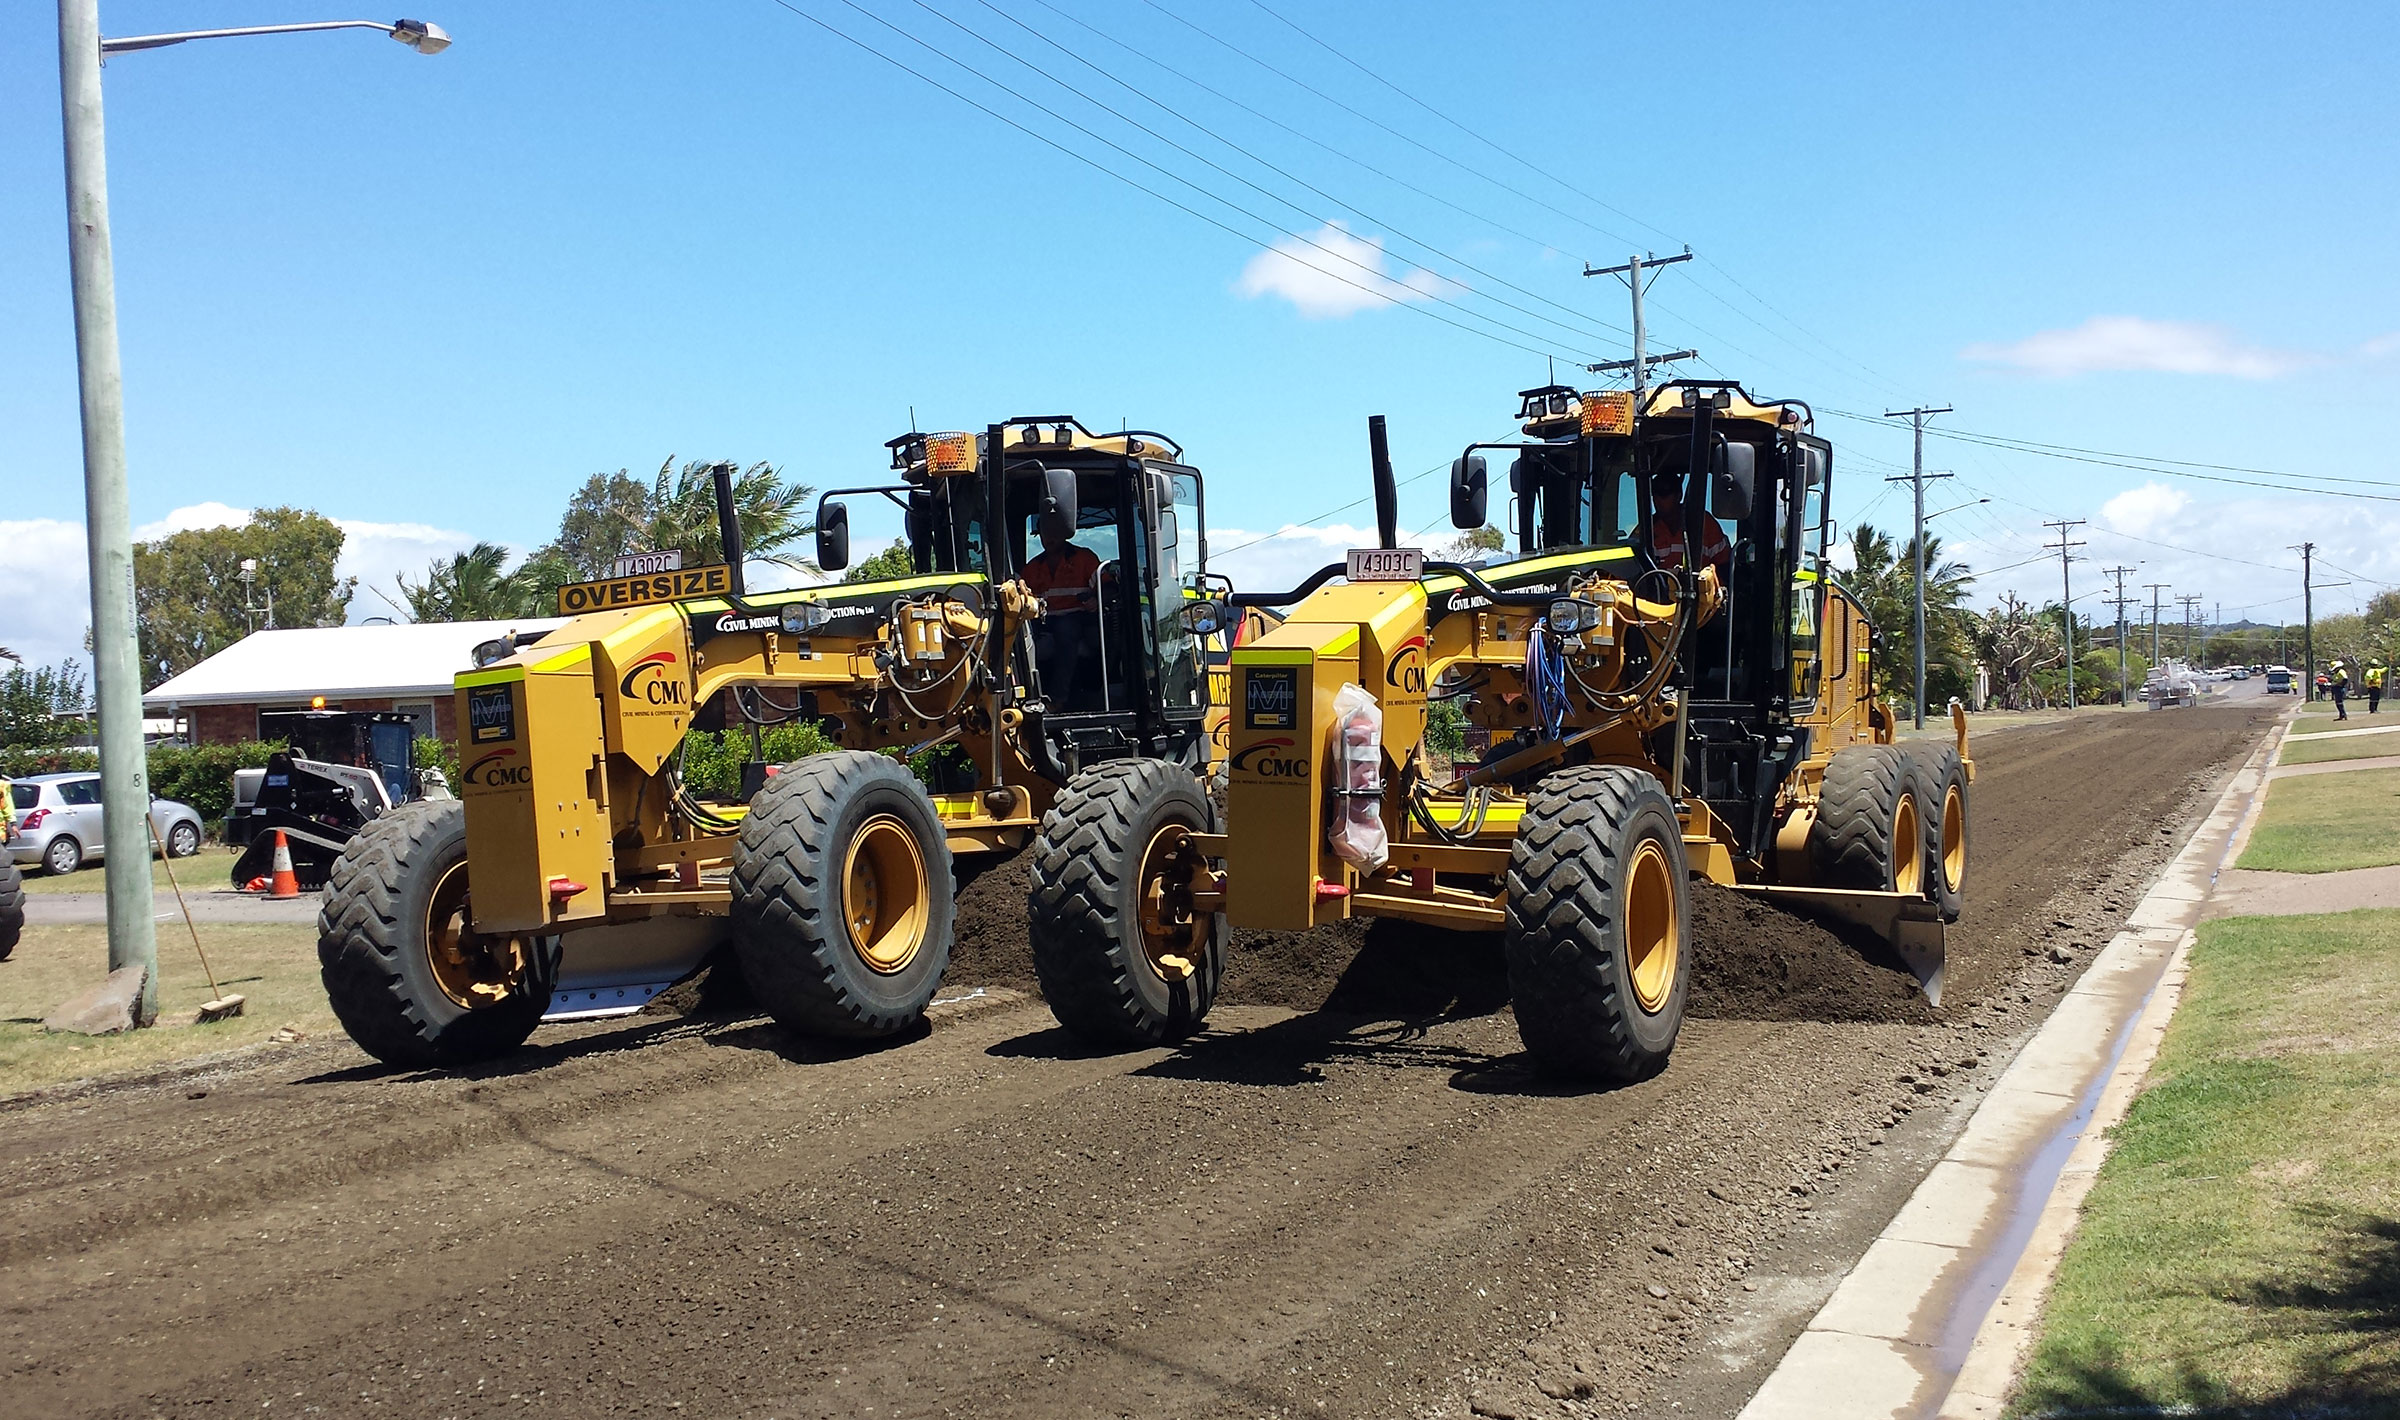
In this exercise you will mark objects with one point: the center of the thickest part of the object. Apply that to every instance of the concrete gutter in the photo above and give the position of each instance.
(1933, 1318)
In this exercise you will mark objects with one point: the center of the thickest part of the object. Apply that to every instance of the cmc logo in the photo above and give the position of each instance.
(1406, 670)
(492, 773)
(656, 688)
(1271, 759)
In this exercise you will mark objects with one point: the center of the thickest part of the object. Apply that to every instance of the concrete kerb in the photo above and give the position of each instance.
(1934, 1317)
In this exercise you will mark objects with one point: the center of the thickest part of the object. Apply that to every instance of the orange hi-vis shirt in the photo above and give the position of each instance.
(1063, 580)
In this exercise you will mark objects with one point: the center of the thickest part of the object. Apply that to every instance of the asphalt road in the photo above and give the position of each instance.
(1309, 1213)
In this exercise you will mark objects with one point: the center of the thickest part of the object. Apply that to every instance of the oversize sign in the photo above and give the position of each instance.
(1387, 564)
(714, 580)
(642, 564)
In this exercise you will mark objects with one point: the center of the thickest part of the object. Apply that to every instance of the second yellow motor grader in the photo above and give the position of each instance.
(1672, 682)
(1042, 632)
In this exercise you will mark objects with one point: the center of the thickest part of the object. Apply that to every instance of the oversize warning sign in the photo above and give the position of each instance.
(684, 585)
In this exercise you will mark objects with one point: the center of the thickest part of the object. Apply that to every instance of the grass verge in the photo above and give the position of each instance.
(2315, 751)
(205, 870)
(272, 964)
(2240, 1252)
(2326, 823)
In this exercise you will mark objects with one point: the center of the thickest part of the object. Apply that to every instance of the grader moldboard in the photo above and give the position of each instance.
(1652, 717)
(577, 875)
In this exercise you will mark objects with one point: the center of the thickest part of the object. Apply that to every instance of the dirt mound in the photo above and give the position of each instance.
(990, 948)
(1754, 962)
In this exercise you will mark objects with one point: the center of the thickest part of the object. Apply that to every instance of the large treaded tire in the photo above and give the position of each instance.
(1084, 915)
(371, 947)
(1570, 972)
(1938, 774)
(1850, 842)
(12, 908)
(789, 931)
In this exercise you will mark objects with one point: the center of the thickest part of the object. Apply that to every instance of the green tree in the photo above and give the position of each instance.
(1883, 577)
(33, 702)
(615, 513)
(474, 585)
(1471, 544)
(888, 565)
(189, 594)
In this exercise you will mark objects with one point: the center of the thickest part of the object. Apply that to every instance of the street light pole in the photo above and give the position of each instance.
(108, 519)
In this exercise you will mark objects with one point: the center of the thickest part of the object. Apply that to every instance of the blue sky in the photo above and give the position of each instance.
(427, 296)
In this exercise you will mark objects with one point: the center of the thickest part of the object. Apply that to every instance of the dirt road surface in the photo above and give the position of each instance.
(1369, 1210)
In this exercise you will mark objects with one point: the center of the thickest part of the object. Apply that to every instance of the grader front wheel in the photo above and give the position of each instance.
(1598, 933)
(1871, 832)
(1121, 956)
(842, 896)
(407, 974)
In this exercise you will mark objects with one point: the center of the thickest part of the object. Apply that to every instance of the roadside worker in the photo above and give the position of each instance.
(1666, 527)
(2337, 685)
(1062, 575)
(2374, 686)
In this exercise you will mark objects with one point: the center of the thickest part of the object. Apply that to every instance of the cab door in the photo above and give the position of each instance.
(1174, 549)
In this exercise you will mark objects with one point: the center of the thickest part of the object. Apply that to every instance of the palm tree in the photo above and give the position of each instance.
(682, 513)
(474, 585)
(1883, 577)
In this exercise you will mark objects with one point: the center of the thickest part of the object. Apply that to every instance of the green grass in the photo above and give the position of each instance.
(2328, 822)
(2240, 1252)
(2346, 747)
(205, 871)
(274, 965)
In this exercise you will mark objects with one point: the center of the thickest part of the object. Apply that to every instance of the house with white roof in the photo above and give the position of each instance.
(405, 668)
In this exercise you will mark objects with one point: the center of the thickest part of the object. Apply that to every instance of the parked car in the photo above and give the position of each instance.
(2241, 672)
(55, 822)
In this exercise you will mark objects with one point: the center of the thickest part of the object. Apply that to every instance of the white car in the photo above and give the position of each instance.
(55, 821)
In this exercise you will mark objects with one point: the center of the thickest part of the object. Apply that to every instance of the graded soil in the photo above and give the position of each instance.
(1349, 1197)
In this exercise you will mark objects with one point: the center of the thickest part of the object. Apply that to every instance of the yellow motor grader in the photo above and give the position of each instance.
(578, 875)
(1672, 684)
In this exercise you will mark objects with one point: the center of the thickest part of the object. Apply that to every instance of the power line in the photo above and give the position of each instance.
(1138, 186)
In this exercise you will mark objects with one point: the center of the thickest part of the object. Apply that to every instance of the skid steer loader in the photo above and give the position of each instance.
(577, 875)
(1673, 684)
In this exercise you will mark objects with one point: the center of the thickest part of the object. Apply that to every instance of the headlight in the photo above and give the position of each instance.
(1572, 616)
(499, 648)
(801, 618)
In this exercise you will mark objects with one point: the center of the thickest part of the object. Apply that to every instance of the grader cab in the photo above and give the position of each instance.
(1042, 629)
(1672, 684)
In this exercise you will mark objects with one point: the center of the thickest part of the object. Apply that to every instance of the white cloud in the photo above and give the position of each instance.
(1282, 559)
(2381, 346)
(45, 590)
(2142, 510)
(192, 519)
(1333, 274)
(377, 553)
(2133, 343)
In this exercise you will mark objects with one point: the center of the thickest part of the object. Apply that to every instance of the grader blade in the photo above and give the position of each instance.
(1907, 923)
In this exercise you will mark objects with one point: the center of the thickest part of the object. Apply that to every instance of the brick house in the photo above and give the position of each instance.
(405, 668)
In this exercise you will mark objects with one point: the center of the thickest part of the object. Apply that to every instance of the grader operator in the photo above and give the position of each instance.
(577, 875)
(1673, 684)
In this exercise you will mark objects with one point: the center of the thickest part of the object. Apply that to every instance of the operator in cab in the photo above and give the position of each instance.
(1666, 528)
(1062, 575)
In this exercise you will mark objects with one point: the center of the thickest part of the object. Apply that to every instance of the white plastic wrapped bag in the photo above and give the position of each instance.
(1357, 835)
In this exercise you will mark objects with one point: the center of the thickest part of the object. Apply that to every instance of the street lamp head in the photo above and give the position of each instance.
(420, 35)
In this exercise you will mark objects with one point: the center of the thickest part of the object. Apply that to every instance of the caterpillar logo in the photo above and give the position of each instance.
(1273, 760)
(655, 688)
(494, 771)
(1406, 670)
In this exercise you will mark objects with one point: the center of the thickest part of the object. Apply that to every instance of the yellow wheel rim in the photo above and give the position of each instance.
(1172, 937)
(1653, 936)
(1908, 847)
(885, 895)
(471, 969)
(1954, 839)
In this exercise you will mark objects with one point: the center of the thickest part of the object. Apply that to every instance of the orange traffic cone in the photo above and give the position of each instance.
(286, 884)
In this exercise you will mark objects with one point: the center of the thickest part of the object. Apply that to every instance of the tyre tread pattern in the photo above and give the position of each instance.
(12, 908)
(1082, 950)
(787, 926)
(1850, 842)
(1565, 881)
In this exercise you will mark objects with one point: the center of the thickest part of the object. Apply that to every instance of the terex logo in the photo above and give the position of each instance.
(494, 771)
(1272, 760)
(1406, 670)
(651, 671)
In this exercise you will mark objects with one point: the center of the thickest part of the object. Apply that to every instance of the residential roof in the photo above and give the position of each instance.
(336, 662)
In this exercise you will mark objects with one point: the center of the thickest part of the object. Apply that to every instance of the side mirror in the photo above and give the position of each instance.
(1058, 494)
(1470, 491)
(833, 536)
(1735, 474)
